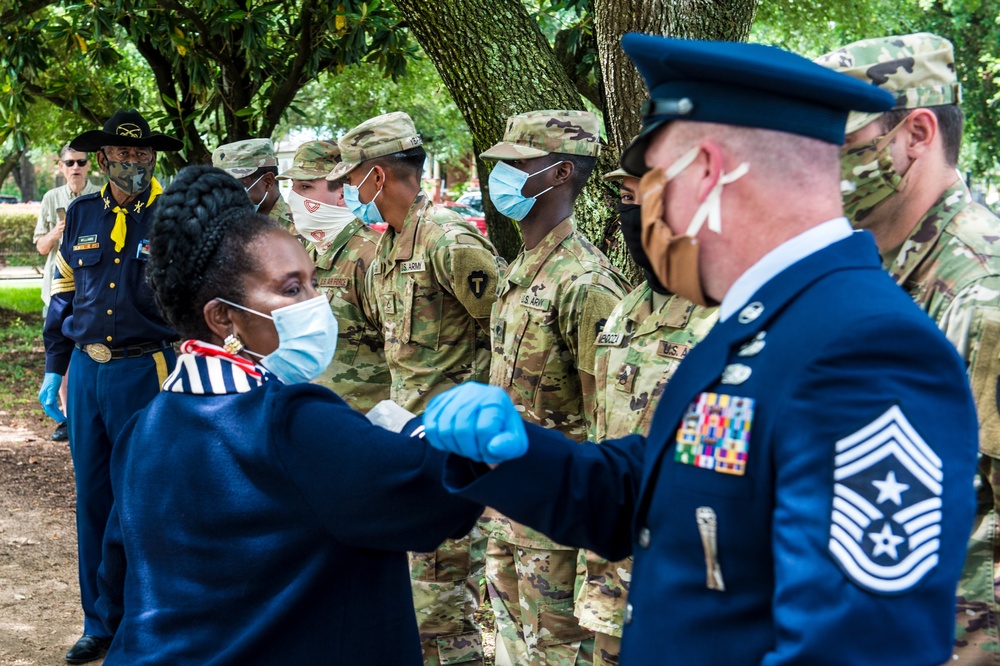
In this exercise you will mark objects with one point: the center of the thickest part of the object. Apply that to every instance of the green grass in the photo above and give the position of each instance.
(22, 354)
(22, 299)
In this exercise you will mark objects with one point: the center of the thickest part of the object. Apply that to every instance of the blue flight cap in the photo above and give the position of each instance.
(750, 85)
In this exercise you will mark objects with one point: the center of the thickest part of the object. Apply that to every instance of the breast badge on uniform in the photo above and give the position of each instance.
(886, 516)
(715, 433)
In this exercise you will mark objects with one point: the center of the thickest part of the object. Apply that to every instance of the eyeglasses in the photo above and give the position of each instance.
(70, 163)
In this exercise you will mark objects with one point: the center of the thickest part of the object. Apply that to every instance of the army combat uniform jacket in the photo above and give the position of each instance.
(638, 352)
(553, 301)
(358, 372)
(950, 265)
(431, 288)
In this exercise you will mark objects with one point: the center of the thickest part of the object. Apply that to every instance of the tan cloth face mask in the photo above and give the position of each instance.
(674, 258)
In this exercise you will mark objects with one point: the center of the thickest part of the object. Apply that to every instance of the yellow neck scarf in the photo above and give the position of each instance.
(118, 231)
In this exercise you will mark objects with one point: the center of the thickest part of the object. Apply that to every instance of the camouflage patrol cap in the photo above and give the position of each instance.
(241, 158)
(539, 133)
(918, 69)
(376, 137)
(313, 160)
(617, 174)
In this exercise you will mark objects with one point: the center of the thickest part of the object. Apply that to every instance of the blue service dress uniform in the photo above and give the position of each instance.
(100, 298)
(804, 494)
(268, 526)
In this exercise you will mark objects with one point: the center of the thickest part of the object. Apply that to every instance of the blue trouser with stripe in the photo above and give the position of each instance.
(101, 398)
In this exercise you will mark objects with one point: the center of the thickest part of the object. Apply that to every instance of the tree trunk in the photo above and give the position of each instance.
(9, 162)
(24, 177)
(496, 63)
(624, 90)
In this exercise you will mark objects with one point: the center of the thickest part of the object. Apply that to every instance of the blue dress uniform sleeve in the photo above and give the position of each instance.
(373, 505)
(841, 437)
(585, 497)
(59, 348)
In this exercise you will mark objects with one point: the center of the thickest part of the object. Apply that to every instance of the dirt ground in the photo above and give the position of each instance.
(40, 614)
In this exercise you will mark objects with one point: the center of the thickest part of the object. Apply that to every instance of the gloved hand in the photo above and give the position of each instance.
(476, 421)
(48, 395)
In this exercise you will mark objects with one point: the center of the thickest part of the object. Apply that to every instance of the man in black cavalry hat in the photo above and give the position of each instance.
(102, 316)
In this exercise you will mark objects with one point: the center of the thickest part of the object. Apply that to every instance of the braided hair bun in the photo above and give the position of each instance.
(202, 227)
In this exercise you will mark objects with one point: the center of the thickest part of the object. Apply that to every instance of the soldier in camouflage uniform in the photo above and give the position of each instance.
(901, 183)
(554, 299)
(342, 247)
(253, 163)
(643, 341)
(430, 289)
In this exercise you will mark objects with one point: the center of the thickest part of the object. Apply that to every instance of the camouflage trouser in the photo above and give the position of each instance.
(445, 586)
(601, 592)
(531, 592)
(976, 639)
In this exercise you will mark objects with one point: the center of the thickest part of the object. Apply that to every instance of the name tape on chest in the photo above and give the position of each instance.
(886, 514)
(86, 243)
(669, 349)
(334, 282)
(413, 266)
(610, 339)
(715, 433)
(534, 302)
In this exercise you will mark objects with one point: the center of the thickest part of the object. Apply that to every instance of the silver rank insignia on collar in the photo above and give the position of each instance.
(735, 373)
(754, 346)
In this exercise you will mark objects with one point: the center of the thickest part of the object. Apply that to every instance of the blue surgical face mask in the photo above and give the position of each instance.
(367, 212)
(505, 190)
(256, 206)
(307, 339)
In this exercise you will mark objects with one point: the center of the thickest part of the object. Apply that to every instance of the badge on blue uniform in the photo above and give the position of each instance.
(715, 433)
(886, 515)
(142, 251)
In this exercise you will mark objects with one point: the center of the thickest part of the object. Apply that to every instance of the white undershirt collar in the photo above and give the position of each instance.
(780, 258)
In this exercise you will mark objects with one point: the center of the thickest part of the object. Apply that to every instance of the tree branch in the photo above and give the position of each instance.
(10, 16)
(285, 93)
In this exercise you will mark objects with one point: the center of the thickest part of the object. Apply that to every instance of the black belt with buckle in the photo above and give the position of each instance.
(102, 353)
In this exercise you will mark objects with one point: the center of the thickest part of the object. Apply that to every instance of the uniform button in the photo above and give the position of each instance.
(112, 285)
(80, 262)
(117, 260)
(109, 338)
(644, 537)
(628, 613)
(111, 312)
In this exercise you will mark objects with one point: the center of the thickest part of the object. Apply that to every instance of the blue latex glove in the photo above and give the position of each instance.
(48, 395)
(476, 421)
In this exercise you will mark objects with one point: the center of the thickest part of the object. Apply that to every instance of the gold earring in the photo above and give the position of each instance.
(233, 344)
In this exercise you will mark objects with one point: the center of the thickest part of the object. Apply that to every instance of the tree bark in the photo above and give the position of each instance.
(496, 63)
(624, 90)
(24, 178)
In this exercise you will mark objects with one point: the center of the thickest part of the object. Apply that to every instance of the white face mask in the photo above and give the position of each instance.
(319, 222)
(256, 206)
(307, 339)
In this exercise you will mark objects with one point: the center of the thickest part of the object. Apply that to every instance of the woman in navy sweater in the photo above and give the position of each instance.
(258, 519)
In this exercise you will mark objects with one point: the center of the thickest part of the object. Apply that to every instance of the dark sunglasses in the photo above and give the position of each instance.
(70, 163)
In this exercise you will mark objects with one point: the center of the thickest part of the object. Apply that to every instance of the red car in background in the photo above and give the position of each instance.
(468, 213)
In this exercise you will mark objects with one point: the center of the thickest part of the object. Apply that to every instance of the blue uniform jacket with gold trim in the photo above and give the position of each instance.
(842, 540)
(99, 295)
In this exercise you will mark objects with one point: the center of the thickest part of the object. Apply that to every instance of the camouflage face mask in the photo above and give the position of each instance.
(868, 177)
(132, 177)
